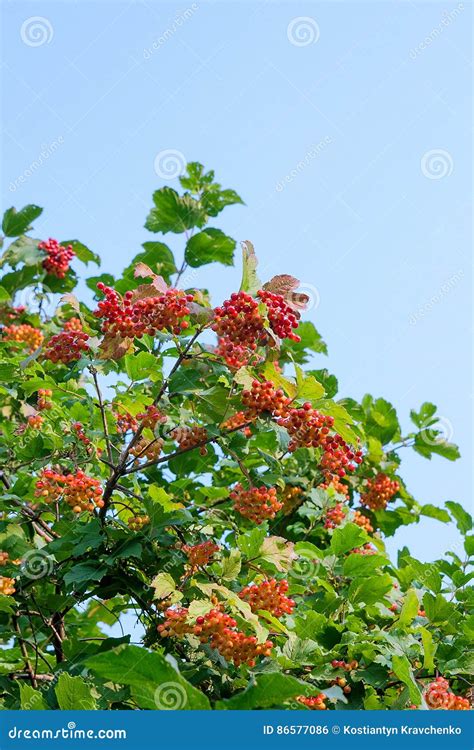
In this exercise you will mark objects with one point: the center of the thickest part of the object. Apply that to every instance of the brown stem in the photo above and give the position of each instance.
(93, 372)
(24, 652)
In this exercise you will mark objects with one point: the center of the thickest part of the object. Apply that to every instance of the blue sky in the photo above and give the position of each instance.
(344, 126)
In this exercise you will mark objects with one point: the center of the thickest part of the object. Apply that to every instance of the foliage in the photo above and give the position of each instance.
(214, 488)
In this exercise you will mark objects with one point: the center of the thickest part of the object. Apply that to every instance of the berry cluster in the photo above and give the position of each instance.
(257, 504)
(313, 702)
(379, 491)
(136, 523)
(282, 318)
(78, 490)
(24, 334)
(438, 697)
(235, 355)
(146, 449)
(73, 324)
(78, 428)
(270, 596)
(44, 402)
(4, 557)
(35, 421)
(291, 498)
(339, 457)
(347, 666)
(7, 586)
(219, 630)
(57, 258)
(121, 316)
(237, 421)
(264, 397)
(335, 482)
(200, 554)
(363, 521)
(125, 422)
(7, 313)
(189, 437)
(151, 417)
(67, 346)
(334, 516)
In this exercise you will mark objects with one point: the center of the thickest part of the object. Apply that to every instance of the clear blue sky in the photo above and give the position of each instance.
(371, 218)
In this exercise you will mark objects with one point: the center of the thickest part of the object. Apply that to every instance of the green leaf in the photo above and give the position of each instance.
(158, 256)
(469, 545)
(432, 511)
(311, 341)
(401, 667)
(359, 566)
(429, 649)
(23, 250)
(210, 246)
(7, 372)
(174, 213)
(160, 496)
(164, 585)
(309, 389)
(462, 517)
(437, 608)
(264, 691)
(424, 417)
(140, 366)
(409, 609)
(84, 572)
(18, 222)
(251, 542)
(31, 699)
(155, 684)
(82, 252)
(432, 441)
(369, 590)
(250, 281)
(346, 538)
(74, 694)
(231, 566)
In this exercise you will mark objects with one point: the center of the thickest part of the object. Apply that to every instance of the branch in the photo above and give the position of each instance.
(24, 652)
(93, 372)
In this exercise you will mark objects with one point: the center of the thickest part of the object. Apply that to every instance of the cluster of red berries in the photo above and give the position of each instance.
(7, 313)
(78, 490)
(379, 491)
(338, 457)
(66, 347)
(35, 421)
(57, 258)
(282, 318)
(257, 504)
(151, 417)
(162, 312)
(346, 665)
(7, 586)
(335, 482)
(73, 324)
(78, 428)
(219, 630)
(291, 498)
(44, 399)
(189, 437)
(136, 523)
(235, 355)
(363, 521)
(437, 697)
(270, 596)
(334, 516)
(125, 422)
(264, 397)
(239, 321)
(24, 334)
(313, 702)
(200, 554)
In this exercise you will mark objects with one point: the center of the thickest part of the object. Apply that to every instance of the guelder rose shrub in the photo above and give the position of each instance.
(190, 462)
